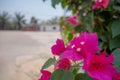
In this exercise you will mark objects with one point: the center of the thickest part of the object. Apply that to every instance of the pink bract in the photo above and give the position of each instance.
(45, 75)
(116, 76)
(63, 64)
(100, 67)
(100, 3)
(58, 48)
(82, 46)
(73, 20)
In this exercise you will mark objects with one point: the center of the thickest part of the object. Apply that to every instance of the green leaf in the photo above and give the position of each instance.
(117, 67)
(82, 76)
(115, 42)
(79, 28)
(48, 63)
(88, 21)
(61, 74)
(104, 36)
(55, 2)
(118, 1)
(115, 27)
(74, 70)
(68, 29)
(116, 7)
(116, 54)
(63, 4)
(70, 36)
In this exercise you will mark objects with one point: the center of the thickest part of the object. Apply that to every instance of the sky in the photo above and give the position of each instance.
(41, 10)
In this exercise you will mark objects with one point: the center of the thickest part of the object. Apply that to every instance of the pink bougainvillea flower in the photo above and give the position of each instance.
(63, 64)
(73, 20)
(100, 3)
(100, 67)
(82, 46)
(58, 48)
(45, 75)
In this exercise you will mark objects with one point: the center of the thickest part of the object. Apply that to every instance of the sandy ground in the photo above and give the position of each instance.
(23, 53)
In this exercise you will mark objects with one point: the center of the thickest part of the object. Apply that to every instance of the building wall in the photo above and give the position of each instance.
(30, 28)
(50, 28)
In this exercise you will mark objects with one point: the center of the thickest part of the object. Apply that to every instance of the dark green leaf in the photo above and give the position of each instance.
(105, 15)
(48, 63)
(115, 42)
(116, 54)
(115, 27)
(79, 28)
(88, 21)
(61, 74)
(118, 1)
(82, 76)
(104, 36)
(116, 7)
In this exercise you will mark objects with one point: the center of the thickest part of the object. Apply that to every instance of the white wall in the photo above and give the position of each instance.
(49, 28)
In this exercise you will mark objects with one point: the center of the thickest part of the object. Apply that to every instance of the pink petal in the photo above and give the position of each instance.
(63, 63)
(87, 62)
(55, 50)
(58, 48)
(103, 54)
(73, 20)
(91, 42)
(45, 75)
(116, 76)
(87, 43)
(103, 74)
(60, 43)
(100, 75)
(105, 3)
(98, 4)
(99, 66)
(110, 58)
(74, 17)
(94, 7)
(106, 59)
(72, 54)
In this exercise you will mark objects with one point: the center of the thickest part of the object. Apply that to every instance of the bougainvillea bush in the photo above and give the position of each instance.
(90, 44)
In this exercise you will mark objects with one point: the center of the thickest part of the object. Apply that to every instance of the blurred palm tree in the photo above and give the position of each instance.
(33, 21)
(54, 20)
(19, 20)
(4, 18)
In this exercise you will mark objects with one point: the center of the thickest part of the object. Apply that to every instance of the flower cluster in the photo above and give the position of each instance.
(73, 20)
(84, 48)
(83, 52)
(100, 3)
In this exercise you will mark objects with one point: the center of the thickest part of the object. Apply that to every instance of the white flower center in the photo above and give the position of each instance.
(82, 43)
(78, 49)
(100, 0)
(73, 46)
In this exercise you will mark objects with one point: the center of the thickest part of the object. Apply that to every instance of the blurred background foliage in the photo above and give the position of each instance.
(18, 20)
